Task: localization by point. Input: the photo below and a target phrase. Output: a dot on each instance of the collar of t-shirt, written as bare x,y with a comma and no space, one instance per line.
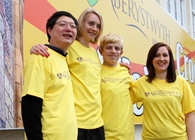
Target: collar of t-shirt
58,50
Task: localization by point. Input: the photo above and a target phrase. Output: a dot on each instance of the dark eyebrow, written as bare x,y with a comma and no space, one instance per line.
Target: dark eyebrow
65,22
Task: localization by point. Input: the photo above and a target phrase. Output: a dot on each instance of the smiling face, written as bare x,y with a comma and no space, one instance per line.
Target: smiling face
91,27
111,52
63,33
161,60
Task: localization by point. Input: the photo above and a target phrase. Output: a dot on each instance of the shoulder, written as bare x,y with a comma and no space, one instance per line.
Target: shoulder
141,80
178,77
119,66
181,79
33,59
75,44
40,60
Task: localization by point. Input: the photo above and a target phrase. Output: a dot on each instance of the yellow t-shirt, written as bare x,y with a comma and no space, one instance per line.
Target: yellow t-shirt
85,68
117,107
164,107
49,79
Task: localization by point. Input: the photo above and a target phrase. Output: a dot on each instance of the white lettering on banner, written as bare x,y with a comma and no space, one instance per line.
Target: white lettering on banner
189,66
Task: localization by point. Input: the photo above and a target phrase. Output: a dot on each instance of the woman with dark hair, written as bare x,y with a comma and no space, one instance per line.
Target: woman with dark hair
167,98
171,75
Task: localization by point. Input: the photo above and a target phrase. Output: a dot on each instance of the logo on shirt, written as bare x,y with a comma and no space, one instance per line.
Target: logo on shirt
88,60
79,59
163,93
64,74
113,80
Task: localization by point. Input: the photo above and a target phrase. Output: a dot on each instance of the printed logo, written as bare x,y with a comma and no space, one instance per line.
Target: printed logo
64,74
147,93
163,93
80,59
114,80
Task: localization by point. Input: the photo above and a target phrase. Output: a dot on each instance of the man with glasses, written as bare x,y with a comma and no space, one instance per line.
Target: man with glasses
47,100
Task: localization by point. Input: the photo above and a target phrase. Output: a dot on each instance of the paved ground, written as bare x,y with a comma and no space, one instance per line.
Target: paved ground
18,134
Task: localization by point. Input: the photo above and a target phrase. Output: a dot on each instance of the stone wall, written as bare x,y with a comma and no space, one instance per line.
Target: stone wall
11,62
18,51
6,65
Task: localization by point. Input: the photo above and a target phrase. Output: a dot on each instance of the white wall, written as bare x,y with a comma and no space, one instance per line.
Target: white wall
138,131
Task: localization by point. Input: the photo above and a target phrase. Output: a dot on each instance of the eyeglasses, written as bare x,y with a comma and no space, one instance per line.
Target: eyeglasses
65,24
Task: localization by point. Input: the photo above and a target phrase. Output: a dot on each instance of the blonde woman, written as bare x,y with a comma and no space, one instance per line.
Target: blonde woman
85,67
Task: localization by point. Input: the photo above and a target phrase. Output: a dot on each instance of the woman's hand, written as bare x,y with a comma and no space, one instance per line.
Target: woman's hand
39,49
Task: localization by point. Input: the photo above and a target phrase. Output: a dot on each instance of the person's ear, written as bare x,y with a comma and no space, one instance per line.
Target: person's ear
100,50
49,30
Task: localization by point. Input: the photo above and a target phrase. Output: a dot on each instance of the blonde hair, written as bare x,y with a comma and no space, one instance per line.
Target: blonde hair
111,38
81,21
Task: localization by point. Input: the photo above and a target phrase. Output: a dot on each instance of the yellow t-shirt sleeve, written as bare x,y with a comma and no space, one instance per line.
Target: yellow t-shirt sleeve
35,77
188,101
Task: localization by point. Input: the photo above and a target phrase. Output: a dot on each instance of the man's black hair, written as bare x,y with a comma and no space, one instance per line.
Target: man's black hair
52,20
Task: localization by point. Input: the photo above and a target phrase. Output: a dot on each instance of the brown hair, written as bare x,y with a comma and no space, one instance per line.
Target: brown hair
171,74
